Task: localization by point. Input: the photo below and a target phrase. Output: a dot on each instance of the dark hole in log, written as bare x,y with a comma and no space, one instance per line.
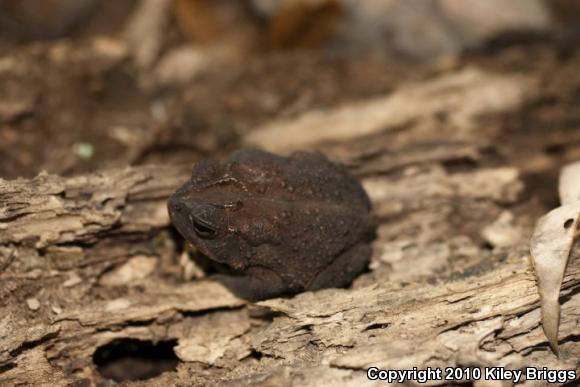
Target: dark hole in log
555,149
256,355
377,326
132,359
459,164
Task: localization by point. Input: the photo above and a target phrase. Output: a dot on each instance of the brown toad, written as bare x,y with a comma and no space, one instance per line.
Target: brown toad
279,225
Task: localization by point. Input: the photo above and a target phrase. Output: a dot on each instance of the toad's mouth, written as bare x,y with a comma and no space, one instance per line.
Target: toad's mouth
198,243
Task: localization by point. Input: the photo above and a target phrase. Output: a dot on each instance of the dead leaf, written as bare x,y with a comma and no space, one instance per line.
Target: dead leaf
551,244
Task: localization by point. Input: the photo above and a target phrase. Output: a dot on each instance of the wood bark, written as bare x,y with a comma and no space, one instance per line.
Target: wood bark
90,259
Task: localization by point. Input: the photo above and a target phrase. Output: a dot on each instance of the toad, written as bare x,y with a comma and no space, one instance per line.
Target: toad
277,225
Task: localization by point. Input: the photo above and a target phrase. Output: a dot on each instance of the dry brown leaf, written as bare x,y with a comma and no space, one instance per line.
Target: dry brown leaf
306,24
197,21
144,31
551,244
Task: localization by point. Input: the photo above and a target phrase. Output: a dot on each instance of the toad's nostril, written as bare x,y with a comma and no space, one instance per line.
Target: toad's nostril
177,205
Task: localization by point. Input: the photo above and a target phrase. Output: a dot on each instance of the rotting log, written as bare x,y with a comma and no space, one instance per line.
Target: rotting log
87,260
91,259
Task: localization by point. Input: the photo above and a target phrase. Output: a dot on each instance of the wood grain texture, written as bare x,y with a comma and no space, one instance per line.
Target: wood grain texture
89,259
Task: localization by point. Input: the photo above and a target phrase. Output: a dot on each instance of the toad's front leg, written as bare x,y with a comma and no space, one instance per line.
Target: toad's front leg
256,283
342,271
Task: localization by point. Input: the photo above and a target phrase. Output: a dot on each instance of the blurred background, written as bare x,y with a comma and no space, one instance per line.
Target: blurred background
89,84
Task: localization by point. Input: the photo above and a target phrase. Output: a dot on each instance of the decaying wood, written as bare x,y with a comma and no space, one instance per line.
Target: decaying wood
89,259
458,99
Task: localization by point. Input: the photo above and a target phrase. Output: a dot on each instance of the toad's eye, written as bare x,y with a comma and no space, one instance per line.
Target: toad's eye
203,230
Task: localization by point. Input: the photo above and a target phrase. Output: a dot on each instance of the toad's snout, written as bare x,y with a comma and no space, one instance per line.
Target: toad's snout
180,212
177,205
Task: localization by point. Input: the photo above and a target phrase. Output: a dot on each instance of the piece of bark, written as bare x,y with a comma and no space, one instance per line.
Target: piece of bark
459,97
